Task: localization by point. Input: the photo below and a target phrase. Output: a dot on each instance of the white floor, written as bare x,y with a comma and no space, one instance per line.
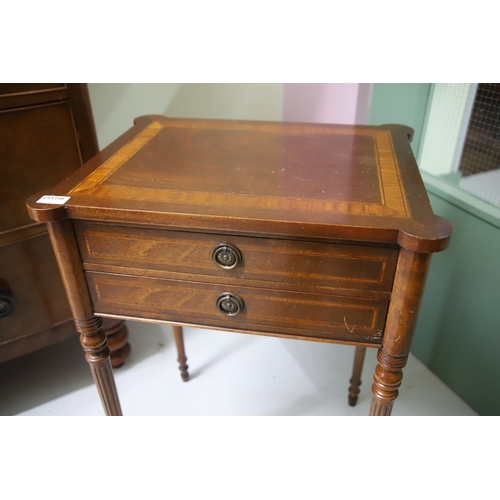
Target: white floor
231,374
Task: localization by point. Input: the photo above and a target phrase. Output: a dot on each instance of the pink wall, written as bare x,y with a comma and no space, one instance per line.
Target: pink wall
326,102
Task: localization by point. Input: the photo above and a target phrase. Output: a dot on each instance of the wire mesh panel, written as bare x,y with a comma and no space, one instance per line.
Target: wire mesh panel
446,125
482,144
462,138
480,161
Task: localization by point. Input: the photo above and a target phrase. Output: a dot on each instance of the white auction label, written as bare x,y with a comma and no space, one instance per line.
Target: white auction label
53,200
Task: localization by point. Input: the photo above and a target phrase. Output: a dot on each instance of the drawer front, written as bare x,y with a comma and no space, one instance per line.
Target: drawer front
304,315
39,147
27,88
13,95
265,262
28,269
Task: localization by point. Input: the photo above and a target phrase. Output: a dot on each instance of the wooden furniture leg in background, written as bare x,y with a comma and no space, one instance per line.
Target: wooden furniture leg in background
179,342
92,336
117,334
409,283
359,358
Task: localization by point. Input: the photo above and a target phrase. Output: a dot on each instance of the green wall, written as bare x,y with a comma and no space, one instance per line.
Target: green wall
115,105
458,330
404,103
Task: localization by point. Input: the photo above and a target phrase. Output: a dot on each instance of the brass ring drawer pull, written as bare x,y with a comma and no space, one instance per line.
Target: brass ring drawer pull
226,256
7,302
229,304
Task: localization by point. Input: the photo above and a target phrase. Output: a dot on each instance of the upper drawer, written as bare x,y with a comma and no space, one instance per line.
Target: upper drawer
264,261
14,95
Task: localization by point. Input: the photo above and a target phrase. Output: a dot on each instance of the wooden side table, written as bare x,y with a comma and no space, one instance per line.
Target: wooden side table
313,232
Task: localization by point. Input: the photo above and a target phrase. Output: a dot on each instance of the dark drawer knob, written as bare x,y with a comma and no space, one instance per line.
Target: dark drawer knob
7,302
226,256
229,304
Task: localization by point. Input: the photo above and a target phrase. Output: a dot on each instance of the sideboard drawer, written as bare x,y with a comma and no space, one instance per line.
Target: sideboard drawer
17,95
39,298
183,255
272,311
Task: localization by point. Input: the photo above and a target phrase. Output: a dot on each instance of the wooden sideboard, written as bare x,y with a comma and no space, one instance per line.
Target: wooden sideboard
311,232
46,133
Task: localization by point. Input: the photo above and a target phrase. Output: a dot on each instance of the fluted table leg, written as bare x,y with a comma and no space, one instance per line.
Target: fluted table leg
92,336
409,283
97,354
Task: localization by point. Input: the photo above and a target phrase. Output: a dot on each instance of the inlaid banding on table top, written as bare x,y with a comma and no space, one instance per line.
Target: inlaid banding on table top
390,183
170,299
279,260
119,158
100,184
198,202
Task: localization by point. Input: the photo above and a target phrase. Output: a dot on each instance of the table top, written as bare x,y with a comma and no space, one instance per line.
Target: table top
333,182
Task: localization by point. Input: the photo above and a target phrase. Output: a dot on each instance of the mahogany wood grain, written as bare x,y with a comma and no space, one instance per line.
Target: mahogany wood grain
355,189
330,224
315,316
324,266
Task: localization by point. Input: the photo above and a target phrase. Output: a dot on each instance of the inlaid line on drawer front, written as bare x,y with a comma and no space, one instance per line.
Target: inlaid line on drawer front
306,314
307,263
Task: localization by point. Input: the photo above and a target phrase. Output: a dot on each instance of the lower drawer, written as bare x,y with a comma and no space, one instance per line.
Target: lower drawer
28,269
307,315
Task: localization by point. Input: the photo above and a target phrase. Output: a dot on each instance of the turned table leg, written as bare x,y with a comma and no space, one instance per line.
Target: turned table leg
92,336
97,354
386,381
409,283
179,342
355,381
